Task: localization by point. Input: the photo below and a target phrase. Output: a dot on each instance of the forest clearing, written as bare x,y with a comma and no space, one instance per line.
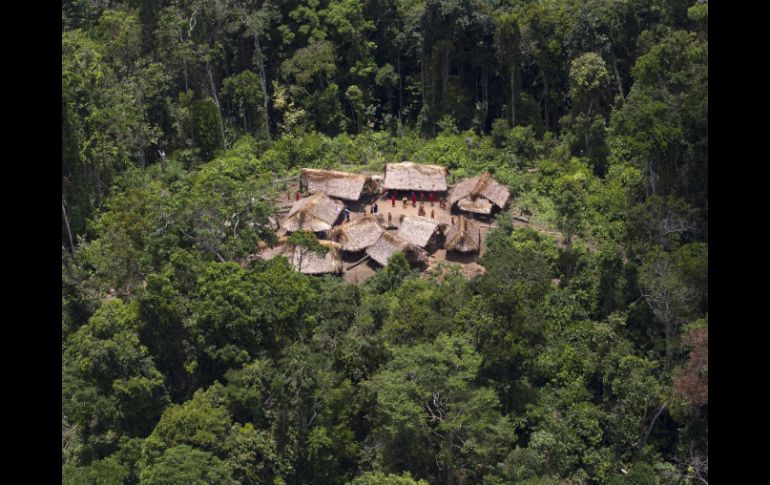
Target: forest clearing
393,213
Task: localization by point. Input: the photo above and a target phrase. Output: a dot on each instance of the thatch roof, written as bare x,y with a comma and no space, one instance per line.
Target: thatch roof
417,230
312,263
358,234
464,236
387,244
341,185
415,176
478,206
315,213
477,194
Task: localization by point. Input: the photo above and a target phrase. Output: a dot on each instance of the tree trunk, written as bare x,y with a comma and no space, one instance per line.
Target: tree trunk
652,424
162,161
422,76
400,85
445,70
263,78
216,101
67,225
618,78
545,98
461,60
651,180
670,329
513,99
186,82
485,92
586,129
448,464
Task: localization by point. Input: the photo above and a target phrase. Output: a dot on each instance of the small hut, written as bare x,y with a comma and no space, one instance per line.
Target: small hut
419,231
388,244
358,234
340,185
316,213
415,176
464,237
479,194
306,261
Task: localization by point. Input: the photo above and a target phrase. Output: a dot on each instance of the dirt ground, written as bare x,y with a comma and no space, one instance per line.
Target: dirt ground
439,262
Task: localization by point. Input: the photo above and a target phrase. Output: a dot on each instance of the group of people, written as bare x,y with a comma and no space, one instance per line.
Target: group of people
431,198
421,211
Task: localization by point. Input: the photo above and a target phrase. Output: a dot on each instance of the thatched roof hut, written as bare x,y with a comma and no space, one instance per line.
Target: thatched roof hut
464,236
311,262
417,230
387,244
341,185
357,235
477,194
415,176
315,213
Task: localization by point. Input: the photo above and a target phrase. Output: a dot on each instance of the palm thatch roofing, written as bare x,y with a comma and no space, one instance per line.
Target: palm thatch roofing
341,185
415,176
477,194
417,230
478,206
311,262
315,213
358,234
464,236
388,244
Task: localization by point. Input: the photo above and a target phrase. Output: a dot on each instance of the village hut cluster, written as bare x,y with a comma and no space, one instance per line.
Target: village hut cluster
335,209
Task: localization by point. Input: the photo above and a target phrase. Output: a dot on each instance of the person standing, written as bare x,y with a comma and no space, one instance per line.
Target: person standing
297,195
430,196
347,215
390,217
393,200
414,200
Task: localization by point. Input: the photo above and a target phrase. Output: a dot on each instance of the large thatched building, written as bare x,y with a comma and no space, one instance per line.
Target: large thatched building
316,213
306,261
358,234
388,244
464,236
479,194
340,185
419,231
415,176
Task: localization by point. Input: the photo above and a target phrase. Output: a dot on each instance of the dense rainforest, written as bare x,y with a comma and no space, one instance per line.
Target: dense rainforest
579,356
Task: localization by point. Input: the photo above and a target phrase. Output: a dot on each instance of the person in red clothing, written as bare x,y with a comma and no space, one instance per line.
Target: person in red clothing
430,196
414,200
296,197
393,200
